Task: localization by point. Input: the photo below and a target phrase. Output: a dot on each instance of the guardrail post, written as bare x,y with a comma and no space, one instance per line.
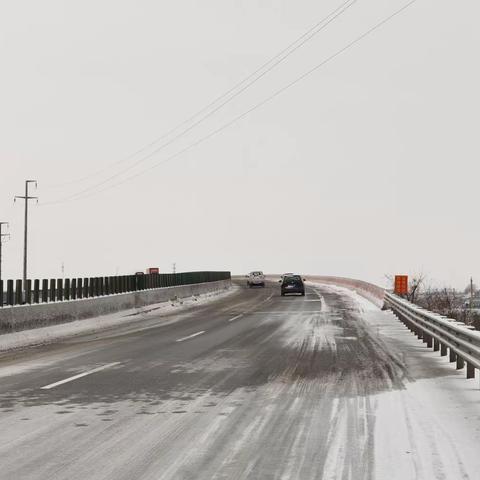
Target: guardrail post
53,291
79,288
91,287
470,370
443,350
44,290
453,356
460,362
28,292
60,293
18,292
10,294
73,289
66,291
36,291
1,294
436,345
96,287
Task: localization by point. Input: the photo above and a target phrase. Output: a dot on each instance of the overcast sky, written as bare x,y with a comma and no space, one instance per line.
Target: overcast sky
367,167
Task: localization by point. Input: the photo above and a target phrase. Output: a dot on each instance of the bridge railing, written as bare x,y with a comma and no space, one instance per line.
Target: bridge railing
456,339
58,290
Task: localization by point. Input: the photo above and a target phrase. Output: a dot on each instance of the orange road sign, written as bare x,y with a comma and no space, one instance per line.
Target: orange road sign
401,284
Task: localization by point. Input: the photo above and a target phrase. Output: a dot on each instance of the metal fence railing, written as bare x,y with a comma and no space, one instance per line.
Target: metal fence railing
56,290
446,335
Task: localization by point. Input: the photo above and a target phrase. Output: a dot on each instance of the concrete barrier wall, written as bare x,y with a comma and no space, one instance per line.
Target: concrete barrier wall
22,317
368,290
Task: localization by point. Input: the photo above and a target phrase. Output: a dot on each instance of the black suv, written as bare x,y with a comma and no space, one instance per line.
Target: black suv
293,284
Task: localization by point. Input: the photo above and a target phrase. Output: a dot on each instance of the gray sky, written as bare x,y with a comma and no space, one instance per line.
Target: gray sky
369,166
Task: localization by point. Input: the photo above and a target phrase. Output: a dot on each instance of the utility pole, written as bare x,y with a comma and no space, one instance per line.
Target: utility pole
471,297
174,268
2,236
25,239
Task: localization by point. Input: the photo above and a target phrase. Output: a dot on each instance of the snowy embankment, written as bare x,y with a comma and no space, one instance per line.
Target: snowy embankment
132,317
431,428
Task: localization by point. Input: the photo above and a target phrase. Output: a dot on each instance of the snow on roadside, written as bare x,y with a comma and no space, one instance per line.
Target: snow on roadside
431,428
437,414
363,303
426,432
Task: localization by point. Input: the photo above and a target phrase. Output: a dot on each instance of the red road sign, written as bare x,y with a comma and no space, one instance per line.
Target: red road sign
401,284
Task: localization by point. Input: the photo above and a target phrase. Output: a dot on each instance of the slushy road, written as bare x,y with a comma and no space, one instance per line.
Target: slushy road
251,386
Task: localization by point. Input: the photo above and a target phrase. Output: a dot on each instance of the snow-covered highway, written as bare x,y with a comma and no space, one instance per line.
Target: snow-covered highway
249,386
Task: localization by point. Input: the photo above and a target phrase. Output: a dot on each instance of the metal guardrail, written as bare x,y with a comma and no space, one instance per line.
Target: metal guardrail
462,341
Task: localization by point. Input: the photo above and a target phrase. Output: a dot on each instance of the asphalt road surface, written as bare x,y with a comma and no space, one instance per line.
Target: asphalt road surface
252,386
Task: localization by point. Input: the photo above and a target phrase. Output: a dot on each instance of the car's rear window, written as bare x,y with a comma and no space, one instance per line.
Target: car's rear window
293,279
256,274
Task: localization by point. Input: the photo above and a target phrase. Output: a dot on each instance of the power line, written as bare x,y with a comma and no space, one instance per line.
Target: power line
255,107
229,95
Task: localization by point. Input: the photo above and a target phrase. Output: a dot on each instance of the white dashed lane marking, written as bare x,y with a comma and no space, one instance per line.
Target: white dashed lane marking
191,336
80,375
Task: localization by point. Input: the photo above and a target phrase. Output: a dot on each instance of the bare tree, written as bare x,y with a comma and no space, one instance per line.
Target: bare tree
415,287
